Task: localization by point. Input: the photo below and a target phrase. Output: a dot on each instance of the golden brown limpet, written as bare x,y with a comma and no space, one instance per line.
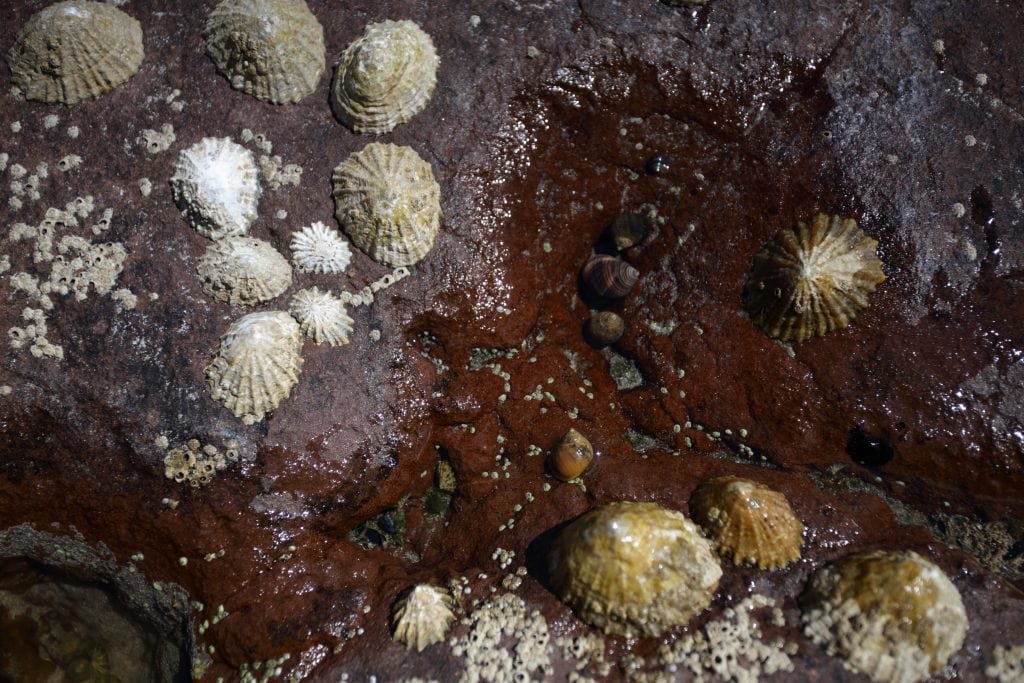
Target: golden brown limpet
572,456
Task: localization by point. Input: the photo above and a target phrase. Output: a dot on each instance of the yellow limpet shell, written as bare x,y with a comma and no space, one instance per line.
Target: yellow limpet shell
634,569
812,279
270,49
386,199
258,364
892,615
244,270
74,51
748,522
422,615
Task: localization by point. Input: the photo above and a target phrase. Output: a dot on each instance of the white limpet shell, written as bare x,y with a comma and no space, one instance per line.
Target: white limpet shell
270,49
388,202
74,51
257,365
422,616
244,270
321,316
216,186
320,249
385,77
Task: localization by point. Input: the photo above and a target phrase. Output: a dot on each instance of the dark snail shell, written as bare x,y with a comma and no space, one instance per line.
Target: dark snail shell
609,277
605,328
629,229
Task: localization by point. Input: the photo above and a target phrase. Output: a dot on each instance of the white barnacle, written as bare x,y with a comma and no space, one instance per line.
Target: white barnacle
322,316
320,249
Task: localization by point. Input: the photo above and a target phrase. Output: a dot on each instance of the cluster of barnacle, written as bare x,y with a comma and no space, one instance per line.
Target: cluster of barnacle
610,277
196,463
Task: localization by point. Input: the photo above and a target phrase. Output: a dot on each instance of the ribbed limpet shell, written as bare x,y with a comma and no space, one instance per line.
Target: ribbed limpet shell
634,569
748,522
75,51
892,615
244,270
385,77
422,615
216,186
257,365
322,316
388,202
812,279
270,49
320,249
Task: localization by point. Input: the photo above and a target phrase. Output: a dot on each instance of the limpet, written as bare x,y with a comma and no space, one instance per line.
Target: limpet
812,279
422,615
572,456
892,615
244,270
322,316
634,569
385,77
257,365
74,51
270,49
388,202
216,186
610,277
320,249
748,521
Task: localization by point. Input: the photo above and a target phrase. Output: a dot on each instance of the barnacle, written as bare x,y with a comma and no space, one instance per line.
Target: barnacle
385,77
386,198
322,316
257,365
748,521
75,51
270,49
319,249
634,569
812,279
892,615
422,616
216,186
243,270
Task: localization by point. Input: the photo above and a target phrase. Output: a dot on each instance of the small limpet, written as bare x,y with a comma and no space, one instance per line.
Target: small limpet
320,249
257,365
812,279
74,51
385,77
388,202
322,316
270,49
244,270
422,615
634,569
216,186
572,456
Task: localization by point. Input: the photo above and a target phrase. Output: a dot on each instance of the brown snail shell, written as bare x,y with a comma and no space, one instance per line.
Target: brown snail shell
629,230
609,276
605,328
572,456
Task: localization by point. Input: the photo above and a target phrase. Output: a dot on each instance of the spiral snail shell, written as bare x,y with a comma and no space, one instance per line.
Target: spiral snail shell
609,276
605,328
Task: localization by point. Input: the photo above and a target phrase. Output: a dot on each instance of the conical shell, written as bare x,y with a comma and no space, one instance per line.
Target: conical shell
257,365
216,186
319,249
422,616
748,521
322,316
892,615
812,279
385,77
609,276
634,569
270,49
244,270
572,456
74,51
386,198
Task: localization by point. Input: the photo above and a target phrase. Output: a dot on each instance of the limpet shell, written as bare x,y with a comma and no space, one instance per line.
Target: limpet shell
320,249
812,279
388,202
216,186
270,49
748,521
257,365
322,316
572,456
422,615
385,77
892,615
605,328
634,569
75,51
244,270
610,277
